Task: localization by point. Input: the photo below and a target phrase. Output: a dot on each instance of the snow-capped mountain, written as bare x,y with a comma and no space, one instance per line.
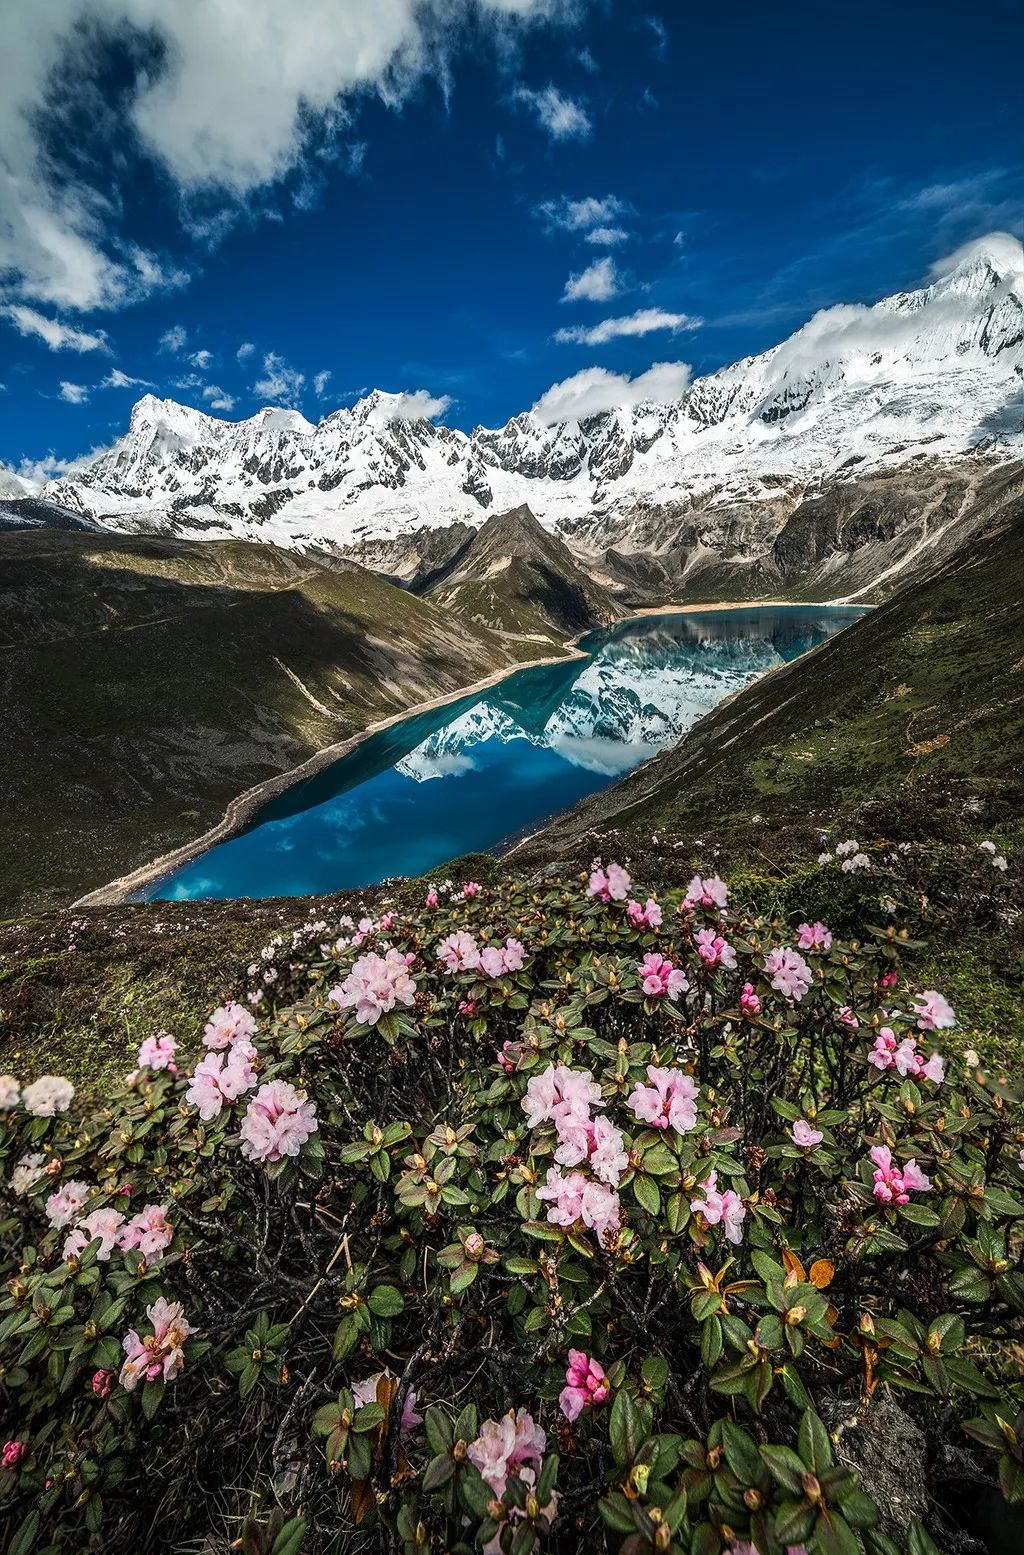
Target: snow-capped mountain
937,372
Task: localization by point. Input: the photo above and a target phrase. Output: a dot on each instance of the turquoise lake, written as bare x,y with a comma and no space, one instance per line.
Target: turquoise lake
483,770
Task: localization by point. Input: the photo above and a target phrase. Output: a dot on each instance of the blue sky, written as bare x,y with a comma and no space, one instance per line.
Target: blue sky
344,189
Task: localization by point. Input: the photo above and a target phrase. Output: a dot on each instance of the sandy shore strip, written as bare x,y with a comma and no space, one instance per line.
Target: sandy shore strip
244,807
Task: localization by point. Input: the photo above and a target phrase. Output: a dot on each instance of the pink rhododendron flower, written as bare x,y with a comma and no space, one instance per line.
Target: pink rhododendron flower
102,1382
365,1392
161,1353
904,1057
49,1094
104,1226
471,889
726,1209
713,949
660,979
158,1052
277,1122
848,1018
459,952
499,960
12,1455
709,891
804,1135
503,1059
888,980
934,1013
228,1025
467,1006
669,1100
575,1197
558,1092
789,972
814,936
609,885
894,1183
375,985
150,1231
10,1092
67,1204
585,1385
750,1003
505,1444
431,899
597,1141
647,917
221,1077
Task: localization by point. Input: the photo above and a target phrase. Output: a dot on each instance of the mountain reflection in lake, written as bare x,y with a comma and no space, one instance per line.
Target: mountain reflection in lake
480,771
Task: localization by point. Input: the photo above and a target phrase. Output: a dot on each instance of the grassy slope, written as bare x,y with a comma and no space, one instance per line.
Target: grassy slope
145,683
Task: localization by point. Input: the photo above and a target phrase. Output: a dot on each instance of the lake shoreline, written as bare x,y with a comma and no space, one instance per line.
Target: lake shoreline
244,806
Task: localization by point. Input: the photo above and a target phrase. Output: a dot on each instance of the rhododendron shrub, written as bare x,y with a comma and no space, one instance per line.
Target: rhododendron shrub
536,1219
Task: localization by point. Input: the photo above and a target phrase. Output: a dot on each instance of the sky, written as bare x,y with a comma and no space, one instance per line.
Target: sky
468,202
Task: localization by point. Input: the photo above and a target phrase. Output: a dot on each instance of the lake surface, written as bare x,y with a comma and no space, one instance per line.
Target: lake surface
483,770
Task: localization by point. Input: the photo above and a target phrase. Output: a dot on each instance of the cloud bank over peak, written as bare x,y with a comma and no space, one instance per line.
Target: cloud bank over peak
596,389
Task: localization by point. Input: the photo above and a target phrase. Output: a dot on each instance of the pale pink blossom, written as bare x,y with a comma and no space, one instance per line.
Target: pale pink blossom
575,1197
646,917
221,1077
505,1444
597,1142
659,979
158,1052
10,1092
585,1385
934,1013
27,1173
104,1226
814,936
669,1100
904,1057
788,972
500,960
459,952
804,1135
894,1183
277,1122
161,1354
149,1231
848,1018
228,1024
67,1203
49,1094
431,899
706,891
558,1092
726,1209
609,885
471,889
750,1003
713,949
365,1392
375,985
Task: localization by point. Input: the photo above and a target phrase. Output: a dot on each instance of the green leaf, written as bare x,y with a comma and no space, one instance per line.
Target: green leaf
785,1467
289,1540
439,1429
385,1301
919,1541
438,1471
741,1454
647,1194
624,1429
813,1443
25,1538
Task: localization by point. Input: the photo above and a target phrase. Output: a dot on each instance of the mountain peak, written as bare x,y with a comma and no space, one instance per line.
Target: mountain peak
1000,252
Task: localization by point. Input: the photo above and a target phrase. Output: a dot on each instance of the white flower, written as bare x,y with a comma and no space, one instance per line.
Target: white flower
999,862
49,1094
824,858
843,848
10,1092
31,1169
987,847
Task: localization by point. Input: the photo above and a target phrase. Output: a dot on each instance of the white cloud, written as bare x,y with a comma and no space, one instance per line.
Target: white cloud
244,351
596,283
174,339
201,360
416,405
58,336
607,236
642,322
219,398
116,379
223,109
1004,251
74,393
280,382
595,390
562,117
320,381
580,215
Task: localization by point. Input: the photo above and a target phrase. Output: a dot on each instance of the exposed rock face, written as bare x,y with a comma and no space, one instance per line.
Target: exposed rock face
779,468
